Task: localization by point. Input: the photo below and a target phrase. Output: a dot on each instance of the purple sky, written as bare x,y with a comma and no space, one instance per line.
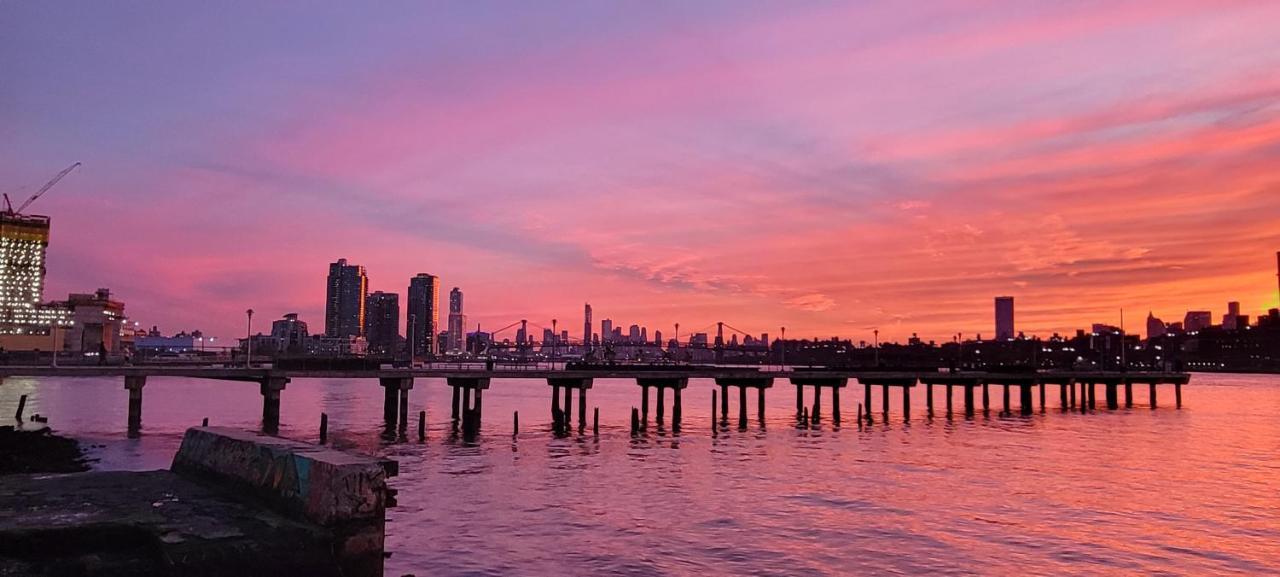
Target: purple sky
829,167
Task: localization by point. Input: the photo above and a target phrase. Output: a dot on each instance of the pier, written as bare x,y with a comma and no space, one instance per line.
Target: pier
468,386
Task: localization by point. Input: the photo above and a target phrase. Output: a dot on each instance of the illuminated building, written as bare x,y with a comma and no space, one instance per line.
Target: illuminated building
23,240
457,320
422,315
344,311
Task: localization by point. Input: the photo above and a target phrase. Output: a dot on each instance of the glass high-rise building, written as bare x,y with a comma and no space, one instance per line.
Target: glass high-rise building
23,240
344,309
457,322
422,315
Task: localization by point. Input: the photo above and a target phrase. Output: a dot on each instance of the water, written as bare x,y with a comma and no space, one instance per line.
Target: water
1136,491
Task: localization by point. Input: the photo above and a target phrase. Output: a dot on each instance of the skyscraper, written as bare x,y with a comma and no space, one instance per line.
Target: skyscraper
382,322
606,330
457,322
23,239
1197,320
586,327
1155,326
422,315
344,304
1229,320
1004,318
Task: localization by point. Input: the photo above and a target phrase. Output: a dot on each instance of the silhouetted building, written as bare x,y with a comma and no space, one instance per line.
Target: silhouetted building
1004,318
1155,326
422,315
1230,321
344,306
586,327
457,320
1197,321
606,330
290,335
382,322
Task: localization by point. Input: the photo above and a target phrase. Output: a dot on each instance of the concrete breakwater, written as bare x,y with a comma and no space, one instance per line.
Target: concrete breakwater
233,502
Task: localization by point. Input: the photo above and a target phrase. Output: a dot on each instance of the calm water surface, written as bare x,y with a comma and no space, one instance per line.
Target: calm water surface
1194,491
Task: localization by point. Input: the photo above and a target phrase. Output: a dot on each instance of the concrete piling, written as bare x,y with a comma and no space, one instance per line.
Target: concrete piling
714,426
1128,394
948,399
928,398
986,399
422,425
595,422
324,428
1177,395
661,403
1024,401
906,402
835,405
582,409
816,415
134,385
760,402
456,407
1152,391
742,407
644,404
884,401
1006,399
724,407
635,421
968,400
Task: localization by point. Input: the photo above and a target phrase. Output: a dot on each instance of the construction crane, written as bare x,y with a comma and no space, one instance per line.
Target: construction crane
9,206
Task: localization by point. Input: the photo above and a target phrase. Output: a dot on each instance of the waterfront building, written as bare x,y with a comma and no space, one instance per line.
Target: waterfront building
290,335
344,310
1197,321
586,327
23,240
1230,321
382,322
457,320
97,322
1155,327
422,315
1004,318
606,330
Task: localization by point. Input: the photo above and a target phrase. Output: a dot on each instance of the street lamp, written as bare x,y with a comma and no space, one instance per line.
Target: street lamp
876,342
248,341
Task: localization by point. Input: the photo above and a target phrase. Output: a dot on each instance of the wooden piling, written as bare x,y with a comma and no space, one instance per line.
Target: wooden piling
760,402
1152,390
1062,395
986,399
515,423
949,399
205,422
1042,403
714,426
1128,393
1072,386
906,402
804,418
1006,399
324,428
866,394
644,404
928,398
1177,395
661,403
724,408
595,421
835,405
422,425
884,400
22,406
968,400
817,404
1024,400
635,421
742,407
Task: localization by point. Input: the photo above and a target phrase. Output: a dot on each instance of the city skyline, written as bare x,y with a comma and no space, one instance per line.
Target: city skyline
1065,155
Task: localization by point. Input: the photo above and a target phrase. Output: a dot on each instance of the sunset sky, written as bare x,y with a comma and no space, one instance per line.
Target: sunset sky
834,168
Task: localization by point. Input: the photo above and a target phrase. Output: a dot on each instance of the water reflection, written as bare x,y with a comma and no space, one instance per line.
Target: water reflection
1133,490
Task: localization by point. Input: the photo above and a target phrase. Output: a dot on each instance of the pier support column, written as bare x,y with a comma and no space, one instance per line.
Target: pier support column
568,409
866,387
948,399
1062,395
455,410
799,400
1177,395
835,405
742,406
1093,395
968,400
1128,394
644,406
582,409
1042,403
677,410
906,403
1006,399
986,399
884,400
555,404
471,413
1113,397
270,388
390,403
760,400
1151,387
817,404
134,385
1072,386
724,406
1024,400
928,397
661,403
